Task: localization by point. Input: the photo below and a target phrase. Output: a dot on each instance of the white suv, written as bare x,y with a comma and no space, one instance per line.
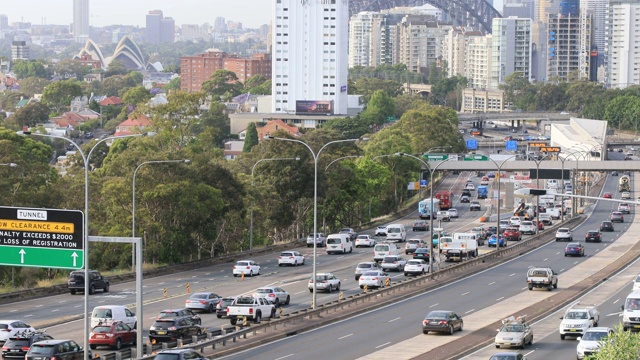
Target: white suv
578,319
527,227
564,234
515,221
591,340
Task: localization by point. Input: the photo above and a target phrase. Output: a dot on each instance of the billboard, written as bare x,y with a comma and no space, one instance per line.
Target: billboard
314,107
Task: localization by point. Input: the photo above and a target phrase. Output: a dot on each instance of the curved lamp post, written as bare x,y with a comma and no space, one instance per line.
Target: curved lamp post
342,158
431,212
538,186
133,202
498,176
582,155
85,259
251,212
315,198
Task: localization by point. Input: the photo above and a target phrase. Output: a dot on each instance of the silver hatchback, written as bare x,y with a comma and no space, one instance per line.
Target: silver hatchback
366,266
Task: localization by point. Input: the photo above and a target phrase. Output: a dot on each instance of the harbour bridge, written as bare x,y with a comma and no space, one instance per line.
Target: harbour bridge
477,14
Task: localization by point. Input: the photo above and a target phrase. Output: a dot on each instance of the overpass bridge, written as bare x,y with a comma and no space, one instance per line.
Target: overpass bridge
517,119
519,165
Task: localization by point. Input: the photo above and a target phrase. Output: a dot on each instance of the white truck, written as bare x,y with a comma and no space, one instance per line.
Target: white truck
462,246
253,309
554,212
542,277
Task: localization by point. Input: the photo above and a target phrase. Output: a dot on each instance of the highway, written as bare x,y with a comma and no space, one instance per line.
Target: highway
219,279
370,334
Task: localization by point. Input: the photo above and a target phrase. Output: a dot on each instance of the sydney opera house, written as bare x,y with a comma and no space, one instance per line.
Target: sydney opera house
127,52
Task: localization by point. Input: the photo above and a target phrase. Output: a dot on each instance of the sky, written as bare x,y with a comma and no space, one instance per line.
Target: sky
251,13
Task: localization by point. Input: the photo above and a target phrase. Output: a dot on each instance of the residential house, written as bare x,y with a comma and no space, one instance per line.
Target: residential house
89,78
232,149
133,125
270,127
79,103
111,100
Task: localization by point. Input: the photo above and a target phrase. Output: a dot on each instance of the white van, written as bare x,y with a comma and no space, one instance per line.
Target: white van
107,314
384,249
396,232
631,311
339,244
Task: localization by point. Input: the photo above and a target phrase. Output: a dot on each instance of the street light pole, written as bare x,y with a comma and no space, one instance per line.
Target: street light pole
251,211
315,200
537,212
498,205
133,203
85,260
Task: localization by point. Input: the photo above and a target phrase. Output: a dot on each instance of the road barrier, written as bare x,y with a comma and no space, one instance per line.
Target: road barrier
164,293
188,288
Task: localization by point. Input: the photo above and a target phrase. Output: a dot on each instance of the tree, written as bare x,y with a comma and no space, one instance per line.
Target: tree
622,345
251,139
174,84
29,68
378,109
222,84
366,88
59,94
582,93
31,114
518,91
116,67
33,85
69,68
136,96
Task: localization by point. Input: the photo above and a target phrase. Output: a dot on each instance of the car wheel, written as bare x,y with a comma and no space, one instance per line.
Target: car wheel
562,336
302,262
210,309
106,288
330,290
555,286
461,325
277,302
295,263
118,344
250,273
451,330
338,288
233,321
258,318
286,302
530,287
73,292
92,290
219,316
93,347
497,346
405,274
523,344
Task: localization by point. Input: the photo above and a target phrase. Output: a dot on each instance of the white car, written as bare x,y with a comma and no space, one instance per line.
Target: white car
577,320
365,240
381,231
246,267
625,195
470,186
273,294
515,221
325,282
564,234
376,278
321,240
290,258
636,283
412,245
527,227
624,208
416,267
590,341
453,212
9,328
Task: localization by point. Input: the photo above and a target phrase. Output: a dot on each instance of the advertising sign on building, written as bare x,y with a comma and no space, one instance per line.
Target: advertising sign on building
314,107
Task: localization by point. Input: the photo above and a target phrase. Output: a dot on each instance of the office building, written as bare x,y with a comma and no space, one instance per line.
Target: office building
511,49
81,20
569,47
159,30
521,10
622,35
196,69
19,50
4,22
310,56
454,49
570,7
544,8
220,24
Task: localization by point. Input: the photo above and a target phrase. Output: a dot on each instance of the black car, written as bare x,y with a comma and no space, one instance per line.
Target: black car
442,321
421,254
606,226
614,173
55,349
420,225
96,281
179,354
164,330
183,312
18,345
221,307
593,235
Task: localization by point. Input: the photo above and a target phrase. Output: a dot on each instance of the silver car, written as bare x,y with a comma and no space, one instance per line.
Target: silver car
325,282
273,294
366,266
321,240
205,301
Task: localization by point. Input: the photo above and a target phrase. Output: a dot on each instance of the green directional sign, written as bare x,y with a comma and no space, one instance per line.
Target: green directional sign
475,157
436,157
41,257
41,237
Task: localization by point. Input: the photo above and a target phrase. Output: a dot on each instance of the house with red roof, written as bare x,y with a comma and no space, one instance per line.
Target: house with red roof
271,127
111,100
133,125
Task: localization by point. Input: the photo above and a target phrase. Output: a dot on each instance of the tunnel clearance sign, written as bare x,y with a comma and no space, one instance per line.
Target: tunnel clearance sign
41,238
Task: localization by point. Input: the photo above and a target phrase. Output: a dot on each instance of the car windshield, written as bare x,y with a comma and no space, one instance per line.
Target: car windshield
286,254
227,301
438,315
577,315
413,241
381,247
42,349
102,313
495,357
593,233
414,262
637,278
513,328
101,329
244,301
390,259
167,357
364,266
594,335
422,251
393,230
264,291
371,273
242,263
199,296
363,237
563,230
321,277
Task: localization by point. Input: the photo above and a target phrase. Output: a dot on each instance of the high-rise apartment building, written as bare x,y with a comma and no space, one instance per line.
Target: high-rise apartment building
196,69
622,57
569,47
478,62
81,20
310,56
419,42
544,8
20,50
159,29
511,49
521,10
220,24
361,41
454,49
598,10
4,22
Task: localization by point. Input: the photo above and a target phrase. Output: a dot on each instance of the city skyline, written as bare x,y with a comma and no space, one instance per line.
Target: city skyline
104,13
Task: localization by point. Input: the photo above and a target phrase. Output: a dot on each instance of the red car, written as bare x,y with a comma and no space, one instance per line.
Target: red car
512,234
540,224
607,195
113,335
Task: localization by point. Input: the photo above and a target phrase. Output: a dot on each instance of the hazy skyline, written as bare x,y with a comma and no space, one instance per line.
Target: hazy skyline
251,13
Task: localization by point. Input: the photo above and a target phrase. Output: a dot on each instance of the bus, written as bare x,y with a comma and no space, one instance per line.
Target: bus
425,210
445,199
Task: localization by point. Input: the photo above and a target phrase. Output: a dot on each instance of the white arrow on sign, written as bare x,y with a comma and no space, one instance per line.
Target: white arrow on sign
22,252
74,256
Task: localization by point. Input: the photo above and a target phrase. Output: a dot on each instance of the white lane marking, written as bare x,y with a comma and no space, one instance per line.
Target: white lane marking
162,283
472,310
434,305
179,279
385,344
529,353
284,357
39,305
616,301
545,259
392,320
524,288
28,315
491,283
54,310
513,274
500,298
467,293
619,313
575,262
561,270
558,253
299,292
14,310
344,337
222,270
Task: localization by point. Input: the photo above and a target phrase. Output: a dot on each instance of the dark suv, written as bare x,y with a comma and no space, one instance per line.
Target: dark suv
56,349
164,330
18,345
606,226
96,281
221,307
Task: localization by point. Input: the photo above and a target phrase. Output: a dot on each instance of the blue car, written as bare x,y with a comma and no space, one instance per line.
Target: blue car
492,241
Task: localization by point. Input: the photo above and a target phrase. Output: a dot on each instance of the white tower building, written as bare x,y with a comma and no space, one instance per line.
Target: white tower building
622,63
81,20
310,56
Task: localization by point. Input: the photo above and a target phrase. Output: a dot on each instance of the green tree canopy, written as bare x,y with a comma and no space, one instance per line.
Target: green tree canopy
58,94
31,114
29,68
222,84
116,67
379,108
69,68
33,85
251,138
136,96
